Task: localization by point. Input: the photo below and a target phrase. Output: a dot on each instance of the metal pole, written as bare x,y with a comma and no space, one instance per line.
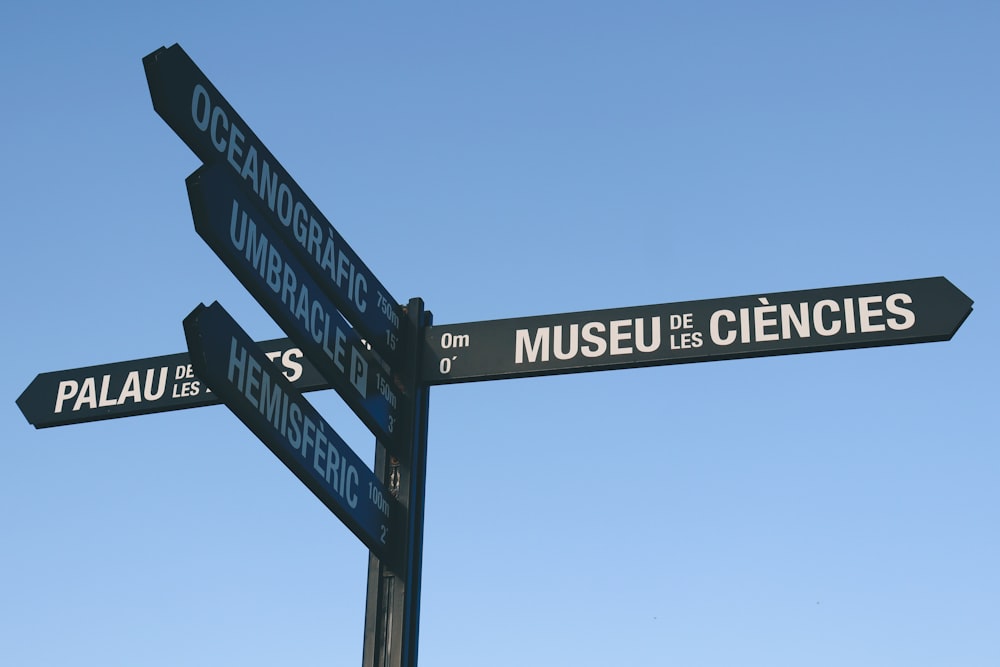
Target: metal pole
392,613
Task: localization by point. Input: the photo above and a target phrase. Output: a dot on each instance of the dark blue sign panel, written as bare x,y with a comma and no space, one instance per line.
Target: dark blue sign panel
199,114
228,219
833,318
142,386
239,372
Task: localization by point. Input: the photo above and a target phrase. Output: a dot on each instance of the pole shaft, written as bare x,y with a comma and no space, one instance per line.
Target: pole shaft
392,612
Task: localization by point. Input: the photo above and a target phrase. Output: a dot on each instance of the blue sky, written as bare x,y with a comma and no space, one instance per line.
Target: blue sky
504,160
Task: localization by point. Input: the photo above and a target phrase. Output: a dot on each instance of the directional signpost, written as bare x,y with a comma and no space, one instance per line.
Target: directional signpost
820,320
348,333
264,400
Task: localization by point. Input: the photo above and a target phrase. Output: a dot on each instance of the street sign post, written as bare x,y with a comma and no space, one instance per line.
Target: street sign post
835,318
252,227
236,369
352,335
230,223
192,106
142,386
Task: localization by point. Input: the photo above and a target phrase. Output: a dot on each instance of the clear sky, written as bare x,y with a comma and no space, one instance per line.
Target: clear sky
501,160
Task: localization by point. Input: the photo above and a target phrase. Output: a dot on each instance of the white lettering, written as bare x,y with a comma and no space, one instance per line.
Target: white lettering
821,328
868,313
536,351
713,327
598,346
906,318
557,342
618,336
640,339
761,321
67,389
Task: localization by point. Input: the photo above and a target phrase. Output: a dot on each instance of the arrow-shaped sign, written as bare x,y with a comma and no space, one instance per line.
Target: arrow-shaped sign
194,108
229,221
236,369
834,318
142,386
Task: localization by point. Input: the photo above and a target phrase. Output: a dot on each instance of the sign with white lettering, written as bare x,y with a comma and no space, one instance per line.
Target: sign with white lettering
142,386
228,219
236,369
835,318
184,97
